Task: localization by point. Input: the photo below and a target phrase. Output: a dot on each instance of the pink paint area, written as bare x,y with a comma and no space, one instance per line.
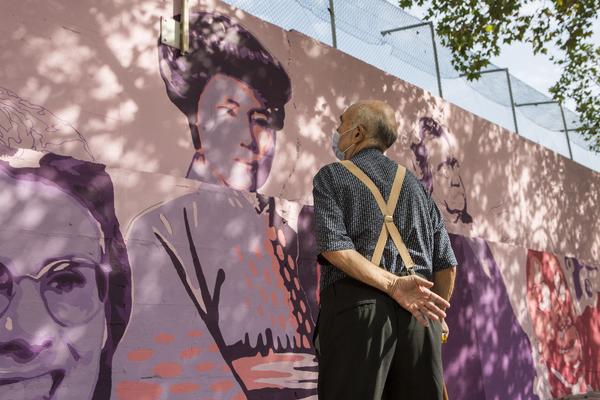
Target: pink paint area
276,370
168,369
204,367
164,338
222,386
140,355
135,390
183,388
190,352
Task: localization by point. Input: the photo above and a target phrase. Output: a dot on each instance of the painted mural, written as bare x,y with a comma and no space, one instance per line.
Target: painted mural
160,246
65,280
439,171
568,343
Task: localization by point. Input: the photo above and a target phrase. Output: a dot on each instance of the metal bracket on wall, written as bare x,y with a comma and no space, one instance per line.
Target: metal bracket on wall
177,33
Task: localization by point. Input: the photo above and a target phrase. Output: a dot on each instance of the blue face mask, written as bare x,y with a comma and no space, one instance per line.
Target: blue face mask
335,141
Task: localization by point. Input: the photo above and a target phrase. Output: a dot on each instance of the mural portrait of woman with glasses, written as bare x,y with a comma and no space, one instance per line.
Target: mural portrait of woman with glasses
65,293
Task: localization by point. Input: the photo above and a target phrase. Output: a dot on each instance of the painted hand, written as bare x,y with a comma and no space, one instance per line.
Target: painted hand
413,294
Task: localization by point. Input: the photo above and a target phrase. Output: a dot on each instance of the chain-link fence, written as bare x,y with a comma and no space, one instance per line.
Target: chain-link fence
394,41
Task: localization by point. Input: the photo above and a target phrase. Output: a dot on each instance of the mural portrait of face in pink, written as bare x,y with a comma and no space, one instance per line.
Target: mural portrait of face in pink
232,92
65,295
555,325
438,168
228,248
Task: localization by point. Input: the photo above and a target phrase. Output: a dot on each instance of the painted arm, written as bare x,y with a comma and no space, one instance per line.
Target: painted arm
411,292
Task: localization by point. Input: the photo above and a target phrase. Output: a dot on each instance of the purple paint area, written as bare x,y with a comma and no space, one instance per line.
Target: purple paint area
488,356
585,278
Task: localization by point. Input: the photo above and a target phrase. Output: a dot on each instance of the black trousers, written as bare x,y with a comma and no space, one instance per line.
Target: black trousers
369,347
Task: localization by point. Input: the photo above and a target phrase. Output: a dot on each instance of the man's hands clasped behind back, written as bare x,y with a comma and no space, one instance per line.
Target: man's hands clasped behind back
413,294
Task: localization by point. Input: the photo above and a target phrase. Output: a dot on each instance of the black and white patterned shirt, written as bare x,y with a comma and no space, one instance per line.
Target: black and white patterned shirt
347,217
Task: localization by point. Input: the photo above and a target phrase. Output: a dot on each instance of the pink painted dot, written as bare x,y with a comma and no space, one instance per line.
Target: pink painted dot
307,326
275,266
204,367
302,306
190,353
164,338
133,390
222,386
282,321
238,252
180,388
281,237
267,277
280,252
168,369
305,342
140,355
252,267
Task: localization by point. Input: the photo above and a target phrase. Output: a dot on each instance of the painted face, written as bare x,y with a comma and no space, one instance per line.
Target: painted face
238,141
551,310
448,187
52,321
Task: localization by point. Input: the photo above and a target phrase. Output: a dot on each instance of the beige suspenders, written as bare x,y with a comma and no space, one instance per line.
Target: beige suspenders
387,209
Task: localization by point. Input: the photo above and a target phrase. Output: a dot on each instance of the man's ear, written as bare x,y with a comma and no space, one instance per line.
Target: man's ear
361,132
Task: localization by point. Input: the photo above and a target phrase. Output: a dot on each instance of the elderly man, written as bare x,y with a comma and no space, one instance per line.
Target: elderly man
382,301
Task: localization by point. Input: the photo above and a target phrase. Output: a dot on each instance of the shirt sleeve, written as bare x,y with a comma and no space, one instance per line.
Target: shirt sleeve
330,229
443,255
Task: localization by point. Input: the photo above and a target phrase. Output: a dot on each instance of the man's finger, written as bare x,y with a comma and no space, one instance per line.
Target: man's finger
439,301
438,312
431,315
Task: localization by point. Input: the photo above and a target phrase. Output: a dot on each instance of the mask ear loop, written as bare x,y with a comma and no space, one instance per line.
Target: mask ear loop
353,144
348,148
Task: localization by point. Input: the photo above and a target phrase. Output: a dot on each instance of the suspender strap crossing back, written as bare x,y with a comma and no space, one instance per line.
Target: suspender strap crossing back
388,229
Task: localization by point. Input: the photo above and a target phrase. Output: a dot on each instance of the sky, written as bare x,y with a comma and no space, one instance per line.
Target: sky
535,70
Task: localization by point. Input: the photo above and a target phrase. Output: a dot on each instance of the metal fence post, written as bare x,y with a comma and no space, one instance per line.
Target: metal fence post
435,58
332,16
512,101
562,114
435,55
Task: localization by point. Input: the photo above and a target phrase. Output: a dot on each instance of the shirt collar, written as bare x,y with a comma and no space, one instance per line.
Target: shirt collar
366,153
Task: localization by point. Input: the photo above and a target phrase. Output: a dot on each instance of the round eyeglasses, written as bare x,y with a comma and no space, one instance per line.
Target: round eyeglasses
72,289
